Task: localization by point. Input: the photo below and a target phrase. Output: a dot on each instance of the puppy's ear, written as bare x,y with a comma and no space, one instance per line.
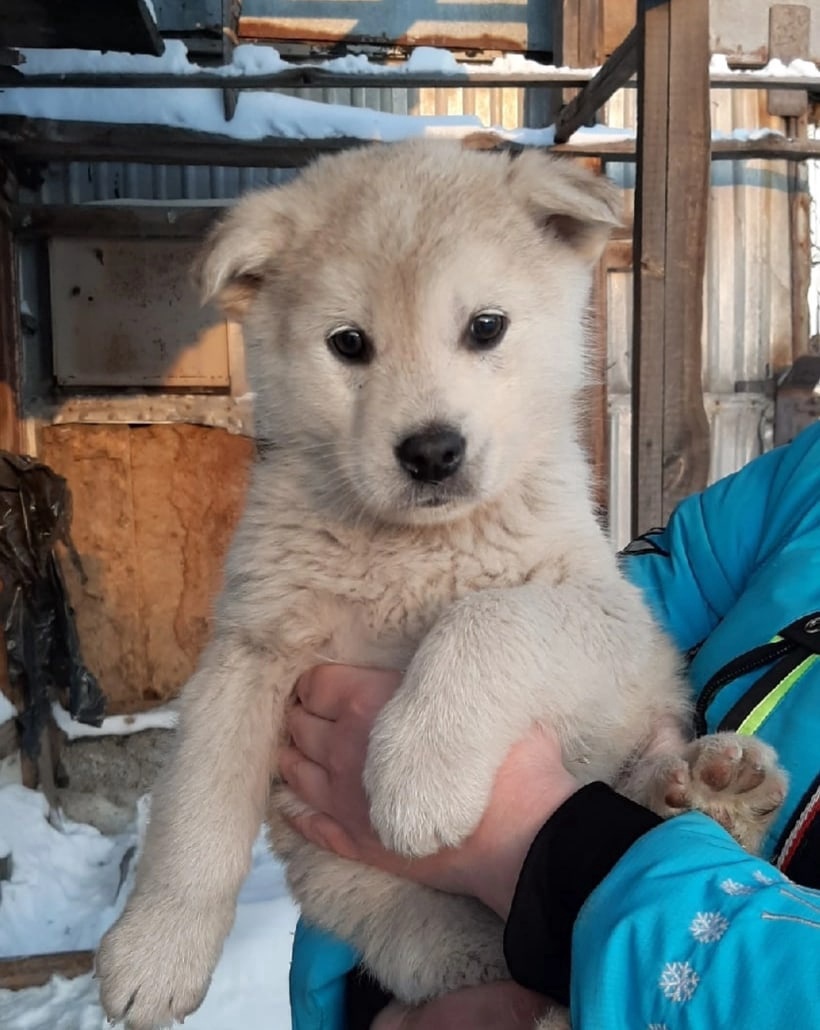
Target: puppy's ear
570,202
241,250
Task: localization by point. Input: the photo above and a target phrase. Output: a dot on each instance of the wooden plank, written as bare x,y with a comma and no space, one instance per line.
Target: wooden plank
511,27
620,67
800,253
11,347
670,452
16,974
125,25
142,221
618,18
31,140
789,27
96,462
567,40
154,510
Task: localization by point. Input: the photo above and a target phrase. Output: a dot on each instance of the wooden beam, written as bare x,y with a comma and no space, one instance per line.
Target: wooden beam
230,28
312,77
91,25
618,69
35,970
616,72
670,433
296,77
141,221
11,417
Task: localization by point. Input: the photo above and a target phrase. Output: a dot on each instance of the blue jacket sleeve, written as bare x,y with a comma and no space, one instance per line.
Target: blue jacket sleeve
693,571
318,970
705,934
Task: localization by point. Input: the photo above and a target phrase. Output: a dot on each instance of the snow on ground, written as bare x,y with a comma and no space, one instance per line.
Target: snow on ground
162,718
64,893
7,709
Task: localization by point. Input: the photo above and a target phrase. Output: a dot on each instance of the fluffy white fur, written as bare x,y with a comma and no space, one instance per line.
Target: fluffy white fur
497,591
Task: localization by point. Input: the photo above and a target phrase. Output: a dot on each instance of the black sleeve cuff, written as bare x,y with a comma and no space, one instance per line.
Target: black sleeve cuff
572,853
364,999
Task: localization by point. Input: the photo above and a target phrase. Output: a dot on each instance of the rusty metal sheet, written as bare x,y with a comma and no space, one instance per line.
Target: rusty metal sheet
508,25
740,30
125,313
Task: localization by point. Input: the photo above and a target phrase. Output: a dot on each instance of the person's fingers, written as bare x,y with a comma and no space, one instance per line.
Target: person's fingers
306,779
311,734
327,691
325,833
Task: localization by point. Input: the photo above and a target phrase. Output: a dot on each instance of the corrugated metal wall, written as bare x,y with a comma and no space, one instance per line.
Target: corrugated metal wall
79,183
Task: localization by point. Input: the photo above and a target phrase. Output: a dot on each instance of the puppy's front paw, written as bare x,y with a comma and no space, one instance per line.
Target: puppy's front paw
732,778
155,964
419,804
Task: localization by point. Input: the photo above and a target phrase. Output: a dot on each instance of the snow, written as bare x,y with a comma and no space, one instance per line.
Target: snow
164,718
7,709
261,115
63,895
256,59
775,69
257,114
173,60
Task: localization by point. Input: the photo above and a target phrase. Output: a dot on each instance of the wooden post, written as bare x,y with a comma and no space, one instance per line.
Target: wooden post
230,27
11,425
789,27
670,432
789,34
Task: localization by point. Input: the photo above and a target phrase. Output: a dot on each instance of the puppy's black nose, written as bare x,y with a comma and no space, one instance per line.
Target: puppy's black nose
433,455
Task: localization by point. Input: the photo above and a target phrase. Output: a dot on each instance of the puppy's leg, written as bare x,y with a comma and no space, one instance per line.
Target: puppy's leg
494,664
155,964
732,778
417,942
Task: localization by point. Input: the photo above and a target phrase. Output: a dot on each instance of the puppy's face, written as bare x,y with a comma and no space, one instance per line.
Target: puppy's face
413,320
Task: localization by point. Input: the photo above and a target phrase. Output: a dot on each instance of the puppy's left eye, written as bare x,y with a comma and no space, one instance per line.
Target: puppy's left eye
487,328
351,345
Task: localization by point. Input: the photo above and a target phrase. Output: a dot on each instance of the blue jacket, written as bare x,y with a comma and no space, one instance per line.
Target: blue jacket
703,934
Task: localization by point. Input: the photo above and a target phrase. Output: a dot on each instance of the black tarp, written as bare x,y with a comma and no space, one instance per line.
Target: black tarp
42,647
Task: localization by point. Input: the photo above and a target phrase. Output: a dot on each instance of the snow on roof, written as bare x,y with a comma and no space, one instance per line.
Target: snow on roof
257,59
262,115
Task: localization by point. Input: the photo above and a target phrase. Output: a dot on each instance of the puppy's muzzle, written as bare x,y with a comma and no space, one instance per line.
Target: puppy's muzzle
432,455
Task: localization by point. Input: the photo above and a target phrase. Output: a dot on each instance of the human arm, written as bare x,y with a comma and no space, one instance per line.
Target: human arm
595,846
692,571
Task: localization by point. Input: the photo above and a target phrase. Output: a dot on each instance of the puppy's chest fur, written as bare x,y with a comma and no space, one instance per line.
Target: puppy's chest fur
368,596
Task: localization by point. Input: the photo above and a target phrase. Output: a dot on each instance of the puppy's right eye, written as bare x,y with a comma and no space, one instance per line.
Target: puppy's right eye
350,344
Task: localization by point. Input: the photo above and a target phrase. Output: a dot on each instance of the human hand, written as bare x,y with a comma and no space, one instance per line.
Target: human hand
330,726
496,1006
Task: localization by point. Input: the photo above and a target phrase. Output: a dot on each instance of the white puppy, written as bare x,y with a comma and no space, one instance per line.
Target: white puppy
413,316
